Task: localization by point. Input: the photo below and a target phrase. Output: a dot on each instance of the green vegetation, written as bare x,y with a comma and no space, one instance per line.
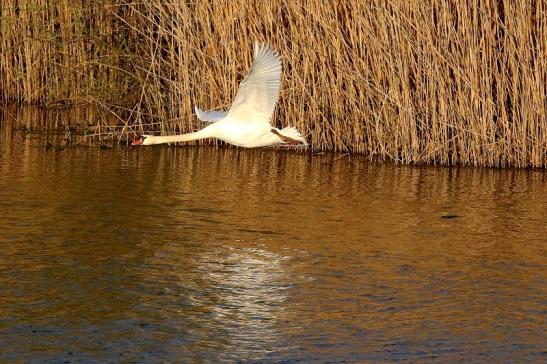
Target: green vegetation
437,81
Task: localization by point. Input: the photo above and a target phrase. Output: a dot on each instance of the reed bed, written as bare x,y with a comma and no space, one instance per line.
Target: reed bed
61,53
438,81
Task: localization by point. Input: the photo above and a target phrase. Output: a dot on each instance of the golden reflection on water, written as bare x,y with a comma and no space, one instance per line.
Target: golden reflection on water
231,254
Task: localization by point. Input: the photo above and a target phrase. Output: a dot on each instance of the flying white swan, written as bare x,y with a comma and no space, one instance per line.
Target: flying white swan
247,123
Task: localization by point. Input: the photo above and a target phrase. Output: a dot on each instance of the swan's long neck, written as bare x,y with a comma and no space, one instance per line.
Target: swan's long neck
201,134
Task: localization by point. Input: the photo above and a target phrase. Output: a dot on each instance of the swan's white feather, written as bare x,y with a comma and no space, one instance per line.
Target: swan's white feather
210,115
258,92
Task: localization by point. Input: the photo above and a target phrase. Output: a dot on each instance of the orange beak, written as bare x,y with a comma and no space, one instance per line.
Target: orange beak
138,141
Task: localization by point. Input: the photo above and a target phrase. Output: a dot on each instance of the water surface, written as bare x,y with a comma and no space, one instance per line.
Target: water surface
222,255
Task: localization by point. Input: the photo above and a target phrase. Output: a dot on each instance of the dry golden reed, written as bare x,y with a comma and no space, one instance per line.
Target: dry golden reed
443,82
62,52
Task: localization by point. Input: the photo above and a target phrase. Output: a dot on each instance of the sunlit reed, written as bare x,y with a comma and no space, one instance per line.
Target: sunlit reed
441,82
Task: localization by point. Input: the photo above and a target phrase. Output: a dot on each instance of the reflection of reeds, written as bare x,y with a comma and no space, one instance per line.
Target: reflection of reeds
436,81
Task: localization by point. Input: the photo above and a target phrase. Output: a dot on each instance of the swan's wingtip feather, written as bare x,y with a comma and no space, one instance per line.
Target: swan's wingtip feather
257,48
263,49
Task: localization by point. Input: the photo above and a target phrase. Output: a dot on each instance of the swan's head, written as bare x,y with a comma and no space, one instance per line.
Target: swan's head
143,140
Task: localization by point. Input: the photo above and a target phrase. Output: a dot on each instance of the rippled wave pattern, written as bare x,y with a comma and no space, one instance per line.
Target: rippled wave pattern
227,255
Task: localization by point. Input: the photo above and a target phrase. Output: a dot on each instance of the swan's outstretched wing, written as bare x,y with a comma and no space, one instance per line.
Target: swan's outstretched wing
258,92
211,115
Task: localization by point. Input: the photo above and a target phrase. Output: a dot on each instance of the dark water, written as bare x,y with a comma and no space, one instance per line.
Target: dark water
191,254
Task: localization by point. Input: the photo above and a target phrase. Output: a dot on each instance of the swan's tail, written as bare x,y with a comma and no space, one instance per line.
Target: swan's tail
292,133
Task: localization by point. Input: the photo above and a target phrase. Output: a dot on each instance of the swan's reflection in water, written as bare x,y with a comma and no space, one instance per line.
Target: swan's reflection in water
226,300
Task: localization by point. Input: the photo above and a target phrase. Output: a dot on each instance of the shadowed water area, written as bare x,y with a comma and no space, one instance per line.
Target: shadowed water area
226,255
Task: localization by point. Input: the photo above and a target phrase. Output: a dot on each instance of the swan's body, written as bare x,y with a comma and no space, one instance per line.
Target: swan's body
247,122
